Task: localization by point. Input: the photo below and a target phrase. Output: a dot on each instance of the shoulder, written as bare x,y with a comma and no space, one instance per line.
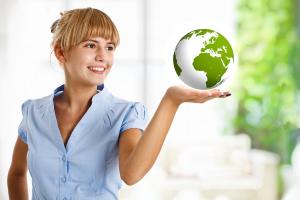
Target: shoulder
36,104
123,104
122,109
131,114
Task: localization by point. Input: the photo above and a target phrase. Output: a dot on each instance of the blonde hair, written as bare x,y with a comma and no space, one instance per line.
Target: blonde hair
78,25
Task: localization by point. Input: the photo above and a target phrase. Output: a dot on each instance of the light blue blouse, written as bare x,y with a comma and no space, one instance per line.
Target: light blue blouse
88,167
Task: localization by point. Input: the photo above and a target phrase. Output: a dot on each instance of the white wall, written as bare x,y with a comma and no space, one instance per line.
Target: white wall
26,70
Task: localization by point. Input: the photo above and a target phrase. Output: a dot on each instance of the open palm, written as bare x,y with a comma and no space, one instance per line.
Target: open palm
181,94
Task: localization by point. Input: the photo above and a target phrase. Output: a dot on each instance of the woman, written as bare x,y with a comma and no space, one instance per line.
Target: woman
80,142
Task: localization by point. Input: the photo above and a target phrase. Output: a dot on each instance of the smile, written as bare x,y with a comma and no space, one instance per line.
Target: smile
98,70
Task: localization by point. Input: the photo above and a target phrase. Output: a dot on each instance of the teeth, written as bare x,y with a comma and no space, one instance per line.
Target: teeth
98,69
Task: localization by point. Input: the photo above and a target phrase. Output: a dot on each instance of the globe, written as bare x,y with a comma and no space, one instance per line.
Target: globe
203,59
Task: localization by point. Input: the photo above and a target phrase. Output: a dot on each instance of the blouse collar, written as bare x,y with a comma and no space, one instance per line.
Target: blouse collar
101,91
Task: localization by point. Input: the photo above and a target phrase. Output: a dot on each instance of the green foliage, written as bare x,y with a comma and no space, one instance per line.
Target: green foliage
268,75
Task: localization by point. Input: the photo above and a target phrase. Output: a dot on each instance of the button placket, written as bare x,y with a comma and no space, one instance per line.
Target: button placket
65,163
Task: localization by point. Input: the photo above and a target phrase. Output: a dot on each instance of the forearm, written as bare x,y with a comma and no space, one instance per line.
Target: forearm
145,152
17,187
144,155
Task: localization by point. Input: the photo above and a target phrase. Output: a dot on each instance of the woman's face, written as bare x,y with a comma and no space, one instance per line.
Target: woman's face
90,61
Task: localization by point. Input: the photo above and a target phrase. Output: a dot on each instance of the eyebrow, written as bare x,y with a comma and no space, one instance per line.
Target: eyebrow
98,41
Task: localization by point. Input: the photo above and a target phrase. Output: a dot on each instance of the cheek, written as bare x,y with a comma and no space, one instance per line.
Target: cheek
81,60
111,60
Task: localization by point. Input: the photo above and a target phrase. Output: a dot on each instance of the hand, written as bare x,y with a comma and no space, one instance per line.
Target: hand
181,94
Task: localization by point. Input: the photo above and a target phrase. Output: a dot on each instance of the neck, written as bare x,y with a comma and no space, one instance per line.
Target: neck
78,96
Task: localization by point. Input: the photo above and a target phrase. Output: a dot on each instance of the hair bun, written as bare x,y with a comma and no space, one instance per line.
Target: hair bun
54,25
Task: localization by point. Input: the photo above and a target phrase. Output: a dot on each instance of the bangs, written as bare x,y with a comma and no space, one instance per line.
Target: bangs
102,28
89,23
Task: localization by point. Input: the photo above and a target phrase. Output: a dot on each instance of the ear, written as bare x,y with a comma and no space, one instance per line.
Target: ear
59,54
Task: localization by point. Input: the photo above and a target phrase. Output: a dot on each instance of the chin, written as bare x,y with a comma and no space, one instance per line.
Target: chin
99,82
95,81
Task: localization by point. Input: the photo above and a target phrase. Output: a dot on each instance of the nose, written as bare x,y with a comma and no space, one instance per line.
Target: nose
100,54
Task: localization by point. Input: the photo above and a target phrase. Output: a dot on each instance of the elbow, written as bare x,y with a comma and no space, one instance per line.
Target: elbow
16,173
130,179
129,182
14,176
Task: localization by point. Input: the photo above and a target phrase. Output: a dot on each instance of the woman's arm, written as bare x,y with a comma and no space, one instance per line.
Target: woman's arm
17,179
138,153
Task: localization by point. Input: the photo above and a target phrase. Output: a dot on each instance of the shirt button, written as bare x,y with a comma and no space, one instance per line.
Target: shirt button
63,179
64,158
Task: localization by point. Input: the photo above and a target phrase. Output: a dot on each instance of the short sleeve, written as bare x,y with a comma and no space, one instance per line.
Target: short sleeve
23,130
136,117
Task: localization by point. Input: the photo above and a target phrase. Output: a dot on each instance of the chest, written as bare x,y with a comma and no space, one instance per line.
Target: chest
67,122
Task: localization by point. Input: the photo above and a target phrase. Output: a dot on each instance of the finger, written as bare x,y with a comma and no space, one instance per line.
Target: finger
211,94
225,94
207,99
216,93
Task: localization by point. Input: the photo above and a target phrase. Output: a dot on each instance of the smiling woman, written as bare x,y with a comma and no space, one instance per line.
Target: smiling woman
88,37
81,142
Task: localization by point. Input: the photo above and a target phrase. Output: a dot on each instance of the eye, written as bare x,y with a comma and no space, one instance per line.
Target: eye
110,48
90,45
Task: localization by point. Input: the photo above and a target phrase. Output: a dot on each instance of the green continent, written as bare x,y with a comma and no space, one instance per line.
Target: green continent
213,67
177,68
221,46
196,32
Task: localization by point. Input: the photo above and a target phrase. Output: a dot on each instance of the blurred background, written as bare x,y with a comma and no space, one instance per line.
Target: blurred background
240,148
